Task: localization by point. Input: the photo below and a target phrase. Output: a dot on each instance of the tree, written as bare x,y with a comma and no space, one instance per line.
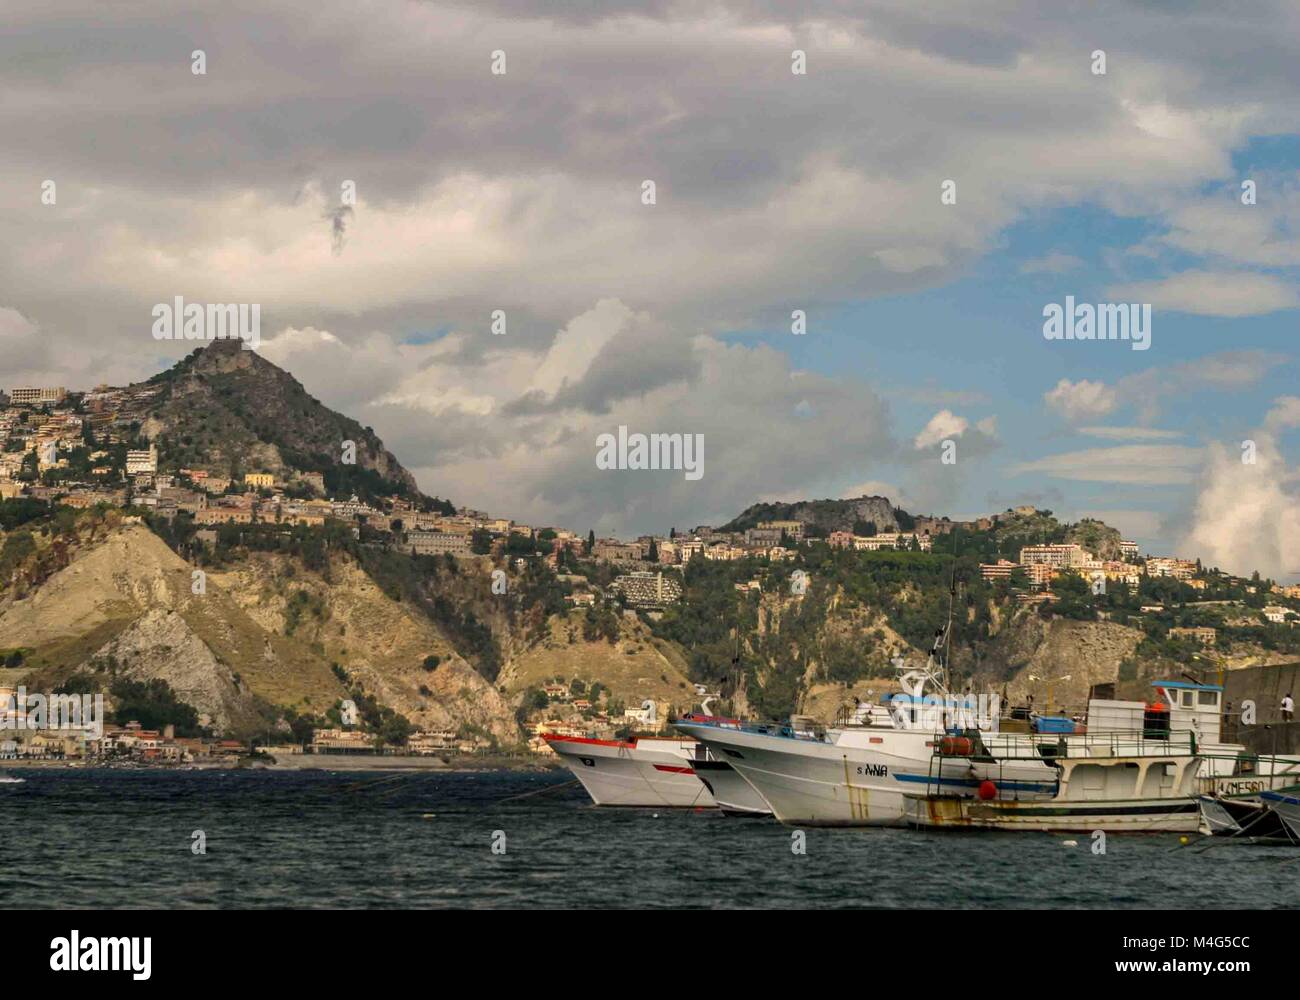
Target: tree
480,541
591,543
653,554
534,700
154,705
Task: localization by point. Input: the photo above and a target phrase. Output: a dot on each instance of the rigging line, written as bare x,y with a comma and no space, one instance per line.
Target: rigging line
368,783
1214,842
537,791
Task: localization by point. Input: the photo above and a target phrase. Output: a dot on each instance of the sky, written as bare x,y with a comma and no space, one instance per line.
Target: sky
442,211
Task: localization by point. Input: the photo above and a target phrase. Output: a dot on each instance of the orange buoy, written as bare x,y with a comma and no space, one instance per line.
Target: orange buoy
956,746
987,790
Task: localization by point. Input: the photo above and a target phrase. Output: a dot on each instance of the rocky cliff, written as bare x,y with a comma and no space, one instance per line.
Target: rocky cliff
826,515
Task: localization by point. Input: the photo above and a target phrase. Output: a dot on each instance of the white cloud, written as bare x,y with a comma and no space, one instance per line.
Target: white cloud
1247,516
1211,293
453,418
1151,465
1081,400
878,488
943,425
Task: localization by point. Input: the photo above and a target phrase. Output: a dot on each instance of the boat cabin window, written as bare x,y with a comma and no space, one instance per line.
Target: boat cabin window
1207,697
1187,699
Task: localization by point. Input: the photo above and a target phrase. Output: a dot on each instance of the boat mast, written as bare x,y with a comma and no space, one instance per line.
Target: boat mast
942,637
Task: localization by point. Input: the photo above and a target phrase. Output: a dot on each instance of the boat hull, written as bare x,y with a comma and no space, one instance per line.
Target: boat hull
644,773
1112,816
808,782
1247,817
735,796
1286,806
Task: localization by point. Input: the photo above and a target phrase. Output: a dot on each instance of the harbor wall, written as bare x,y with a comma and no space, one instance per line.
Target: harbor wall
1265,686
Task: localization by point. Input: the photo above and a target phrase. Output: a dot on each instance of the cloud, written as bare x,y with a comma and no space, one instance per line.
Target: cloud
456,419
1135,524
1150,465
1247,514
21,343
1284,415
943,425
1131,433
1221,228
878,488
1081,400
520,193
1145,391
1211,293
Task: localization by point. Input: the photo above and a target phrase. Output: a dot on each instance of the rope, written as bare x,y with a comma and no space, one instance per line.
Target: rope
537,791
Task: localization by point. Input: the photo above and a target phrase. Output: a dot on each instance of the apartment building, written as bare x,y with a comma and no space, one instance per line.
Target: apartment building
614,551
224,515
1069,556
37,396
649,591
1179,569
1040,575
145,461
435,543
1204,636
1000,570
792,528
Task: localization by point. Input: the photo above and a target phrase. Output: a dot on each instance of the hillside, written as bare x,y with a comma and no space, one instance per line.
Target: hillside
824,516
634,667
123,608
261,641
229,411
296,615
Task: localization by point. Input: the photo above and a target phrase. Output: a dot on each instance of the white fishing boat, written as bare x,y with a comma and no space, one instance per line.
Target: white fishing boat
645,771
1230,802
857,774
1286,806
1115,782
876,769
734,795
9,779
1245,816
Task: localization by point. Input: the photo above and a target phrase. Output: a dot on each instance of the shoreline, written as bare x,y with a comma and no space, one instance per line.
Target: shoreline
306,762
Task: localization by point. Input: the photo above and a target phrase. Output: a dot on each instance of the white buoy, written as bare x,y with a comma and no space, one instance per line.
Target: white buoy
1070,843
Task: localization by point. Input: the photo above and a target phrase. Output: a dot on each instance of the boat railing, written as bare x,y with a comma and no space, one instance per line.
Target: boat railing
799,730
1055,746
1246,783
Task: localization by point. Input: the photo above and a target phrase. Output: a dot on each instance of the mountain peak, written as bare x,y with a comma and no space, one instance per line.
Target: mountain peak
230,411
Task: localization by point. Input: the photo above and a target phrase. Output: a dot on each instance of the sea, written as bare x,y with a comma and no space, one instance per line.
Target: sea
76,837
